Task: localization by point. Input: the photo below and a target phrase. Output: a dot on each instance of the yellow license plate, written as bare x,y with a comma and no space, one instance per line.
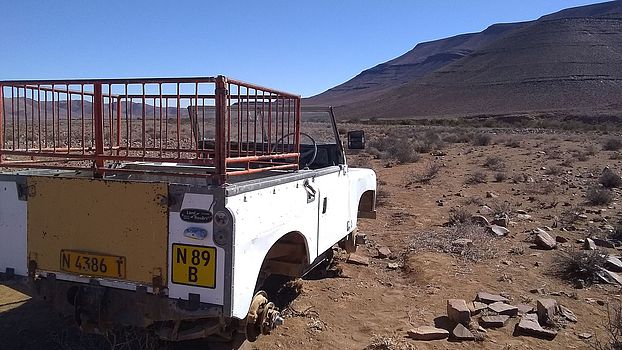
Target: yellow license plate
84,263
194,265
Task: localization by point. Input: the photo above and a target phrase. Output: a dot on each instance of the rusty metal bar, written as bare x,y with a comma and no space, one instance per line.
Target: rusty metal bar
221,114
2,121
99,123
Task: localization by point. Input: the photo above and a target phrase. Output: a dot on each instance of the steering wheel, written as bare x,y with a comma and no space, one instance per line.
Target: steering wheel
312,152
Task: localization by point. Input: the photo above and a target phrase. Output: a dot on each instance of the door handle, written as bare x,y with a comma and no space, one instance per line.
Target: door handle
310,191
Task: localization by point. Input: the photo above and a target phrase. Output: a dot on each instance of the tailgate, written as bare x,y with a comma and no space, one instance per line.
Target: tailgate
98,228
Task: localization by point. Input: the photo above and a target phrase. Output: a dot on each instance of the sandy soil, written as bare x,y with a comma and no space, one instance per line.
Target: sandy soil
371,304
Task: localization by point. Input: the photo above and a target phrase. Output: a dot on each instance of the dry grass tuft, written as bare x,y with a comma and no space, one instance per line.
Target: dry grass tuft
609,179
597,195
581,267
477,177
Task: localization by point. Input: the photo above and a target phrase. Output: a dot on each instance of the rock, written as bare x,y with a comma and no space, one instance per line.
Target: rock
529,325
589,244
567,313
560,239
458,311
501,220
358,259
540,291
523,216
612,276
524,309
494,321
504,309
603,243
462,242
499,230
480,220
491,195
486,210
460,332
383,252
476,307
585,335
546,309
521,211
360,239
614,264
488,298
545,241
428,333
393,266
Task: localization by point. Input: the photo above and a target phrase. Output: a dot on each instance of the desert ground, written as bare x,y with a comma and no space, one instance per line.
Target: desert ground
432,181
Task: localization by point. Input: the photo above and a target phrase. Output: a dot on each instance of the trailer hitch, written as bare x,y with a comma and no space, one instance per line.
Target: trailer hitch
263,317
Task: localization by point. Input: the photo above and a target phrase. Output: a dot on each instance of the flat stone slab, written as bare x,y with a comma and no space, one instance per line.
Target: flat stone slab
358,260
567,313
500,231
529,325
589,244
525,308
488,298
494,321
612,276
460,332
544,240
458,311
546,309
504,309
428,333
614,264
476,307
384,252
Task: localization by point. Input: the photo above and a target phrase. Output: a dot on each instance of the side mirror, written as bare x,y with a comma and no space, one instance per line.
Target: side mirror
356,139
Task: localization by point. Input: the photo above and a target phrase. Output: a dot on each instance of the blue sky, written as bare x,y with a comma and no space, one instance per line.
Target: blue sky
301,47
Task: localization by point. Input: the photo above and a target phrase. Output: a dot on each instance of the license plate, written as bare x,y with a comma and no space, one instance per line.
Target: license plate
194,265
84,263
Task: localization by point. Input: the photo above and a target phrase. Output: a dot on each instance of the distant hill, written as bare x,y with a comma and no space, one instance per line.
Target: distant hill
569,60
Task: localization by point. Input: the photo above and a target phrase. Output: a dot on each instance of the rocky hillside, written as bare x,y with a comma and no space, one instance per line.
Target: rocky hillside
570,60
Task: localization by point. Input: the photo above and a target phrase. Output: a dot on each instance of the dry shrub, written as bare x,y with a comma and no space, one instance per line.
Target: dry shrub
554,170
599,196
459,215
616,156
500,177
458,137
512,142
541,188
482,140
387,343
616,233
609,179
579,266
571,216
494,163
382,197
429,174
612,144
519,178
477,177
400,149
501,208
591,150
613,328
484,245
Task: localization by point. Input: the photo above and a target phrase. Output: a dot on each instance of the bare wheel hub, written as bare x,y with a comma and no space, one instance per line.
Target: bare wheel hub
262,318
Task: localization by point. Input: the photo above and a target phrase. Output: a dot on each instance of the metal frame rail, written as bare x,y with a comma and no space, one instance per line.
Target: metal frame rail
223,127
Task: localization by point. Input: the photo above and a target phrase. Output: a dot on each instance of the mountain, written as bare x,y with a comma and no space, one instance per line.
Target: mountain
569,60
